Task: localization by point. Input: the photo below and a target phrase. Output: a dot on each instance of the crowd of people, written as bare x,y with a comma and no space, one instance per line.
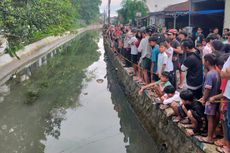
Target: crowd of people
188,73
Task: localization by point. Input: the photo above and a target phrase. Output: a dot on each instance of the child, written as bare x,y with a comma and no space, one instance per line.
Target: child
134,51
194,110
162,59
145,60
169,66
223,105
154,57
159,85
170,96
211,88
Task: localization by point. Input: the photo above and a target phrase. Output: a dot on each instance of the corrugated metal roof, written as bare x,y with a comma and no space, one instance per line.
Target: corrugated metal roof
180,7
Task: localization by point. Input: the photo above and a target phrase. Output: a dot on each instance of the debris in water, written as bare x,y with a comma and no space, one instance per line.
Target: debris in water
85,93
11,130
14,76
100,81
4,127
1,99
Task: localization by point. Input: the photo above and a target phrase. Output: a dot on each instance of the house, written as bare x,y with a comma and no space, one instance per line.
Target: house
207,14
227,14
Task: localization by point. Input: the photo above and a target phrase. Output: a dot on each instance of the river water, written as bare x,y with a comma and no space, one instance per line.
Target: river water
70,103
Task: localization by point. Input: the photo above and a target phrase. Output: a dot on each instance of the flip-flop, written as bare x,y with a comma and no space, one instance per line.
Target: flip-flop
222,150
176,120
219,143
204,140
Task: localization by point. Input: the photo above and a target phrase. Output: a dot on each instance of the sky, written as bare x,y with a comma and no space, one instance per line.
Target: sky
115,5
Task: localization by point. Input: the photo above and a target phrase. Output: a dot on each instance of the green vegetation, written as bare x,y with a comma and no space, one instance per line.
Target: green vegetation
36,107
129,10
26,21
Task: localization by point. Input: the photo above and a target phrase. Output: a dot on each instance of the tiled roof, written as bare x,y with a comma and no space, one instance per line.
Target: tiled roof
178,7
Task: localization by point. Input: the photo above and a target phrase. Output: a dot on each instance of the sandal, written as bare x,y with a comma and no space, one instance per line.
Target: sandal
204,140
222,150
220,143
176,120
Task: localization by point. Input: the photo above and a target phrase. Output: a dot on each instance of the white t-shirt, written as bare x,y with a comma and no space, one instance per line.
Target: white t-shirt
162,59
174,98
145,48
126,40
227,89
169,65
131,42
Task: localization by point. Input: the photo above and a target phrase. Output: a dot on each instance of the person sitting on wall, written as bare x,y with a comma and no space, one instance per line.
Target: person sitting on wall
158,86
170,96
194,110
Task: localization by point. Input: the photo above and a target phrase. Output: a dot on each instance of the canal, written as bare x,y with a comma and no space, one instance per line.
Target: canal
69,102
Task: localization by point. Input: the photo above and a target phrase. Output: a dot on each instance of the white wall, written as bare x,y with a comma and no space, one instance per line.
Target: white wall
227,14
159,5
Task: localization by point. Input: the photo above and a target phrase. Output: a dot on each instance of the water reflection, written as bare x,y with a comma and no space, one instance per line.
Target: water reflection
36,98
135,138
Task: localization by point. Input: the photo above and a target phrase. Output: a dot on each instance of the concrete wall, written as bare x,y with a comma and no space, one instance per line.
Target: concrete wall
227,14
156,121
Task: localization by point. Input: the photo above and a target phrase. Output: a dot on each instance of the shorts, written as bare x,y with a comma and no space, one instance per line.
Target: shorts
134,59
201,120
176,63
155,77
198,93
146,64
138,56
211,108
182,114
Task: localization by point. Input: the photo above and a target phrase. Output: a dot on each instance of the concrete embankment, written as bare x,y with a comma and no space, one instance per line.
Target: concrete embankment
10,65
156,121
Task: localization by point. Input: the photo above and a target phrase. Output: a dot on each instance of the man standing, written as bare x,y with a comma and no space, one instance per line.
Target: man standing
177,54
145,59
193,66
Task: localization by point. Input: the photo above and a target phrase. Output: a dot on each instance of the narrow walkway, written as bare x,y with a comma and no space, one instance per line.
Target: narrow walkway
10,68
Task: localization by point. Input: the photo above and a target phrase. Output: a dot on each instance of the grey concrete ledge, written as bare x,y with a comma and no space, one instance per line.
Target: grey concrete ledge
156,121
10,65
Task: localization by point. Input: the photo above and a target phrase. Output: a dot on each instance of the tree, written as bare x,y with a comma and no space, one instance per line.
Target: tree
89,10
129,9
25,21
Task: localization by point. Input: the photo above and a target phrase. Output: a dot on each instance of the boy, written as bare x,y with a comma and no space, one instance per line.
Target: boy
170,96
225,74
223,105
145,60
134,52
194,110
211,88
154,57
177,52
159,85
169,66
162,59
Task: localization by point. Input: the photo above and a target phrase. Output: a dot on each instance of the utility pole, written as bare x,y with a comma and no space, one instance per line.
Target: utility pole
190,12
109,3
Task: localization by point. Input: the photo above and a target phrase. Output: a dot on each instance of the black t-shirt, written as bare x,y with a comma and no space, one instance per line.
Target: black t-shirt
175,44
226,48
197,107
193,63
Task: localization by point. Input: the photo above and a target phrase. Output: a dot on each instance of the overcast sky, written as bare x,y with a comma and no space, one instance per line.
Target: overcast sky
115,5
